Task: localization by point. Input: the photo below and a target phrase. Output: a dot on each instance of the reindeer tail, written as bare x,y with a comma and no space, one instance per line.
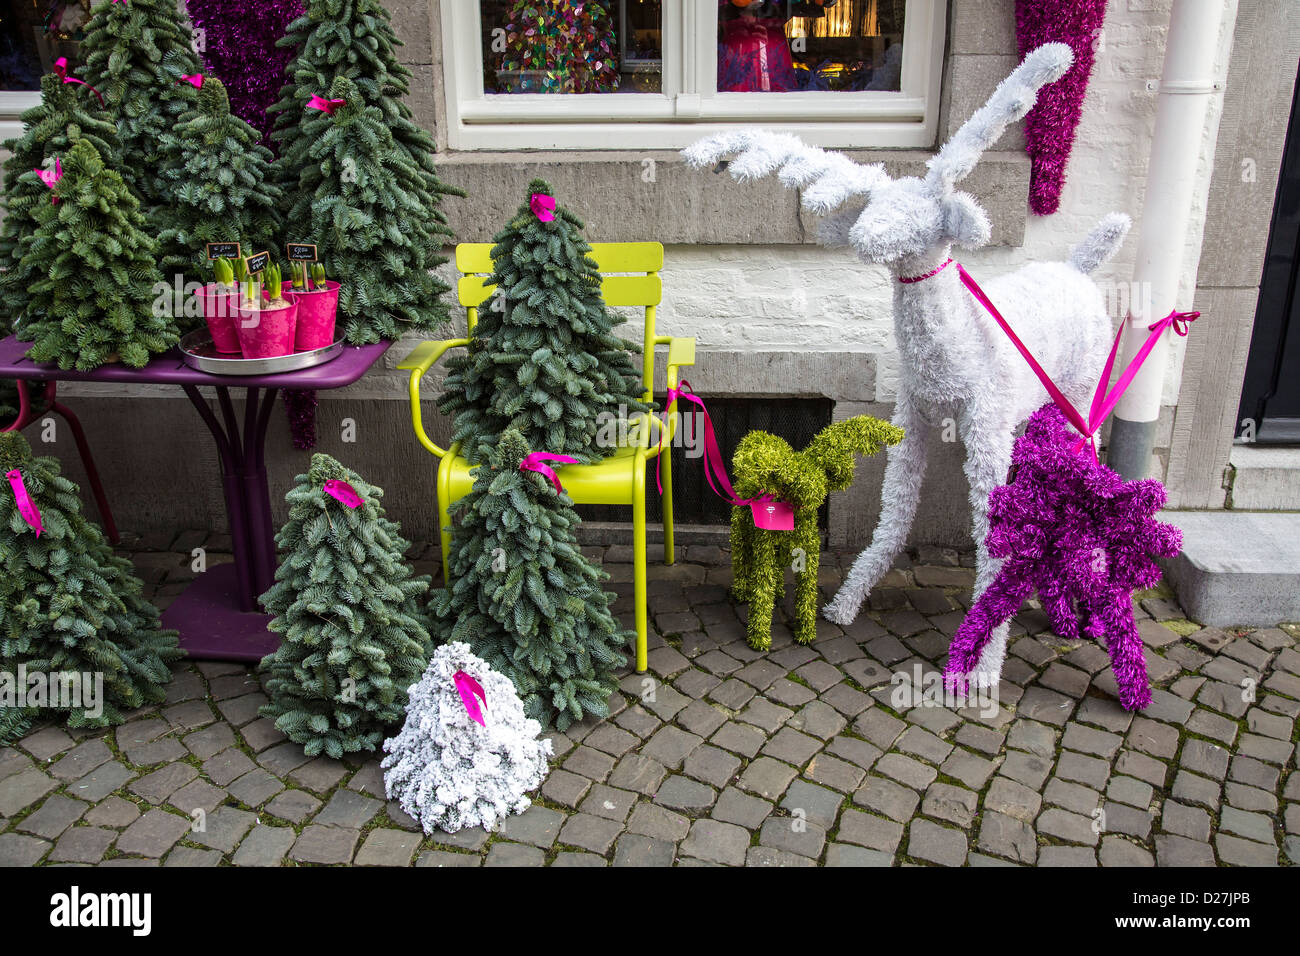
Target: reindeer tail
1102,243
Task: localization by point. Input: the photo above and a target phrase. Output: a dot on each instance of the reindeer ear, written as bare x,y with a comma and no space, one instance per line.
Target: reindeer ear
964,222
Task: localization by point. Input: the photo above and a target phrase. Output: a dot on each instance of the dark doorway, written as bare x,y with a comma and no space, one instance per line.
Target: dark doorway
1270,395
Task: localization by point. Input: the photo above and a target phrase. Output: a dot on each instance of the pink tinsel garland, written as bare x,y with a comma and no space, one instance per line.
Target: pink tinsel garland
1050,125
238,47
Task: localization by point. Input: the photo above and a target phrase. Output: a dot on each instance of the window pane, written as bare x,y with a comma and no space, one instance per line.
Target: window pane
572,46
33,34
784,46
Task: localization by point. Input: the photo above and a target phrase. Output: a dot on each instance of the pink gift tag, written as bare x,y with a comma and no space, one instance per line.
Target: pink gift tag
773,515
344,492
26,507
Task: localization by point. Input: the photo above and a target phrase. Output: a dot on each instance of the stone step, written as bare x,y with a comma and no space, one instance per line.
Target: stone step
1264,478
1237,567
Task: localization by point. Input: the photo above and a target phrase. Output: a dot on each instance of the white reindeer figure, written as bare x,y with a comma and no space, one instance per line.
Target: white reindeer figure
956,363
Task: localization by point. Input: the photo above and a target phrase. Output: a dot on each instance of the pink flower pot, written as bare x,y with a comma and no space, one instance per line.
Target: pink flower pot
266,333
220,308
317,309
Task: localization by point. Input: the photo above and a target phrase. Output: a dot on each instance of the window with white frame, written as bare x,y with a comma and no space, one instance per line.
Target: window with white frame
645,74
33,34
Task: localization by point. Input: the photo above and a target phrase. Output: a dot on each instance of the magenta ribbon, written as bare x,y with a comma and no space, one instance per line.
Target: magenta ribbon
324,105
51,177
536,461
543,206
342,491
61,71
194,79
468,688
26,507
1103,401
715,469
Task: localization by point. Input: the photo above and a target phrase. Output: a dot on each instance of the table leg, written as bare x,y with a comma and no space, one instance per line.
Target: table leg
257,492
232,482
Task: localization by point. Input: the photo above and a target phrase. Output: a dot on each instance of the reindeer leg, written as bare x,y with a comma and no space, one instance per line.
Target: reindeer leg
988,456
902,489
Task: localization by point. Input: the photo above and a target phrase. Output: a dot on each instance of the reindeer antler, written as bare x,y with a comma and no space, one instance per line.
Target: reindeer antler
828,180
1014,97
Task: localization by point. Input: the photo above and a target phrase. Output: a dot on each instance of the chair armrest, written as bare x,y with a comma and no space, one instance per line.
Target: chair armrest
681,351
418,362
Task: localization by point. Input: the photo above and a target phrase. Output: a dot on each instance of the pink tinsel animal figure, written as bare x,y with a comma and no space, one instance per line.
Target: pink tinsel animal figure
1083,538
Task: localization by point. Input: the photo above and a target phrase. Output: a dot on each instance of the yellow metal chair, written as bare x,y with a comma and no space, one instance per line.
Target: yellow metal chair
619,479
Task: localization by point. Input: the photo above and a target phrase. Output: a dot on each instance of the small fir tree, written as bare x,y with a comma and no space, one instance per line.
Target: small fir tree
524,598
94,302
368,203
67,112
136,52
69,605
543,357
345,600
219,178
353,39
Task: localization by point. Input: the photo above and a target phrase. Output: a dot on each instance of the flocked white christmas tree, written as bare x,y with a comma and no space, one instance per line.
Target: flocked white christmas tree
449,771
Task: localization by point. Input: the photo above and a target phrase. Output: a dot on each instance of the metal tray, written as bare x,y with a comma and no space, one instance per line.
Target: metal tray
198,352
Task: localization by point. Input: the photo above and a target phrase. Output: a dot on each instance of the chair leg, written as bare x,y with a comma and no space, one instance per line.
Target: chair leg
639,571
444,516
92,473
666,472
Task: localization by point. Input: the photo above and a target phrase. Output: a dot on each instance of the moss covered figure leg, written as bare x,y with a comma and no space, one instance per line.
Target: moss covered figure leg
763,600
805,588
742,558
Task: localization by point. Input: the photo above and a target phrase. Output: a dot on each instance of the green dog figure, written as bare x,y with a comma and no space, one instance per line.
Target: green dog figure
766,465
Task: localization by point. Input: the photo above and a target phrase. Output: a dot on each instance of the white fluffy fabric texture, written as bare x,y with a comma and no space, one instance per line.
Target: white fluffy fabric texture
447,771
956,363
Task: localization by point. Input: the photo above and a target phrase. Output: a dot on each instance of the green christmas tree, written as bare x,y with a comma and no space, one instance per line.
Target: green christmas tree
345,600
136,52
67,112
94,302
69,605
368,202
524,598
219,178
355,39
543,357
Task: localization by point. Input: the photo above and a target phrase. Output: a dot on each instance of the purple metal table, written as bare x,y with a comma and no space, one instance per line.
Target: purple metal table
217,616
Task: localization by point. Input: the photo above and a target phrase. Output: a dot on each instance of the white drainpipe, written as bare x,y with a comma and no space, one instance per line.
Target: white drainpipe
1186,85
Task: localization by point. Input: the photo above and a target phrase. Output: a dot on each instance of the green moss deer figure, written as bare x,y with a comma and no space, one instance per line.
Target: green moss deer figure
766,464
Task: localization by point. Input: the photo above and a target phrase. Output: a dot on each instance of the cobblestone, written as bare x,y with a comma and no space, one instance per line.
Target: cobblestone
795,757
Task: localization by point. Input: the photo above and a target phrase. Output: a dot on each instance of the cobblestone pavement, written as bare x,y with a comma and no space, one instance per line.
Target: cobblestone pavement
722,755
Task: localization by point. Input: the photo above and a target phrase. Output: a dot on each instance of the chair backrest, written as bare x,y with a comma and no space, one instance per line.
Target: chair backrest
641,288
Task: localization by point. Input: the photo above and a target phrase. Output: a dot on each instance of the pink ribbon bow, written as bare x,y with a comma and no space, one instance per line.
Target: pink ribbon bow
536,461
26,507
51,177
543,206
1103,401
468,688
194,79
342,491
61,71
324,105
715,470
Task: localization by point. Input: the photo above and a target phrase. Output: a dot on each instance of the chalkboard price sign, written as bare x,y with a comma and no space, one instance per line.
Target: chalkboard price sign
258,263
301,251
223,250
